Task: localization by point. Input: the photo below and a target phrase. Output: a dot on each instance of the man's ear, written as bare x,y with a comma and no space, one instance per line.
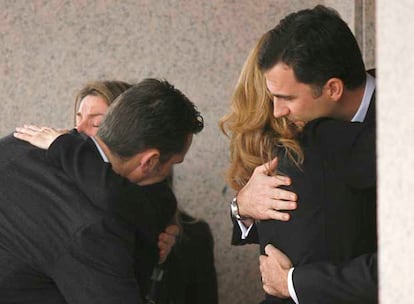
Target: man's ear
334,88
150,160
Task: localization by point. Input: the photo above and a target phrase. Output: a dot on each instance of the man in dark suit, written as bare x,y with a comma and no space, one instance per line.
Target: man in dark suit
67,234
313,68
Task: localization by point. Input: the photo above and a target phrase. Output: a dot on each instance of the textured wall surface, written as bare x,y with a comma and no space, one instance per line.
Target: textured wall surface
364,29
49,48
395,150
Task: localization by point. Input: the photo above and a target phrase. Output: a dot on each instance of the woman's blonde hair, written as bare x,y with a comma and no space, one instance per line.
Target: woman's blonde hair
255,135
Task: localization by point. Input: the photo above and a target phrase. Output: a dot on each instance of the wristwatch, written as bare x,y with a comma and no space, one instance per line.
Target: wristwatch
234,208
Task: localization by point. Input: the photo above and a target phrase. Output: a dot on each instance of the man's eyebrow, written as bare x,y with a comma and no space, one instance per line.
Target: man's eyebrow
91,115
283,96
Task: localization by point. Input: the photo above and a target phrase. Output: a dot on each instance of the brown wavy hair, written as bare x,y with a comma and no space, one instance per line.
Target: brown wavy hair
255,135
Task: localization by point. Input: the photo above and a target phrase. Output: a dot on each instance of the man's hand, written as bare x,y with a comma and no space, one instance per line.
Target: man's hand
166,240
261,199
274,269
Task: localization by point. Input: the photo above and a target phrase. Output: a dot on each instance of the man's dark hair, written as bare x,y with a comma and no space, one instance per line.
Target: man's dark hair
318,45
151,114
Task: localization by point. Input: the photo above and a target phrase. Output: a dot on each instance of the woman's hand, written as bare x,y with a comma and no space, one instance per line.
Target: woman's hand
166,240
41,137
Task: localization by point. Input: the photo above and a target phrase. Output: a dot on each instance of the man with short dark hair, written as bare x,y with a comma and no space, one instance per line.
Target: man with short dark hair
68,223
314,68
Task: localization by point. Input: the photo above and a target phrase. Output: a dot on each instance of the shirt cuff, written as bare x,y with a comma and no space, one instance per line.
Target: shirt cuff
244,230
291,288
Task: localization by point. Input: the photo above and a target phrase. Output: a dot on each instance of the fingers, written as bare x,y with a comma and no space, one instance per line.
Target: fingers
62,131
173,230
22,136
262,267
165,244
32,130
262,259
32,127
166,241
274,253
271,250
282,194
271,166
281,180
281,205
262,199
277,215
26,130
163,256
268,167
274,269
277,206
41,137
267,289
274,182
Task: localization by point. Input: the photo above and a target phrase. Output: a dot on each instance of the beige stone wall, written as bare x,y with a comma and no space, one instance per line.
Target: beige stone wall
49,48
395,150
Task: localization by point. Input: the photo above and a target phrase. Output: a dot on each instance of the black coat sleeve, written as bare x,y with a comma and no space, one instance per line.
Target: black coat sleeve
252,237
97,266
351,282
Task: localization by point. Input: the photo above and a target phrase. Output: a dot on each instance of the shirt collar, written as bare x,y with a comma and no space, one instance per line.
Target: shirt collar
101,152
366,100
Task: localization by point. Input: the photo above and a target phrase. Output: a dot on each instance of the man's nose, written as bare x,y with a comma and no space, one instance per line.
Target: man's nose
280,109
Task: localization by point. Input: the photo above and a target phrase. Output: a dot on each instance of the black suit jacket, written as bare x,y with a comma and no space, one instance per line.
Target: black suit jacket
336,216
353,280
61,244
190,274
